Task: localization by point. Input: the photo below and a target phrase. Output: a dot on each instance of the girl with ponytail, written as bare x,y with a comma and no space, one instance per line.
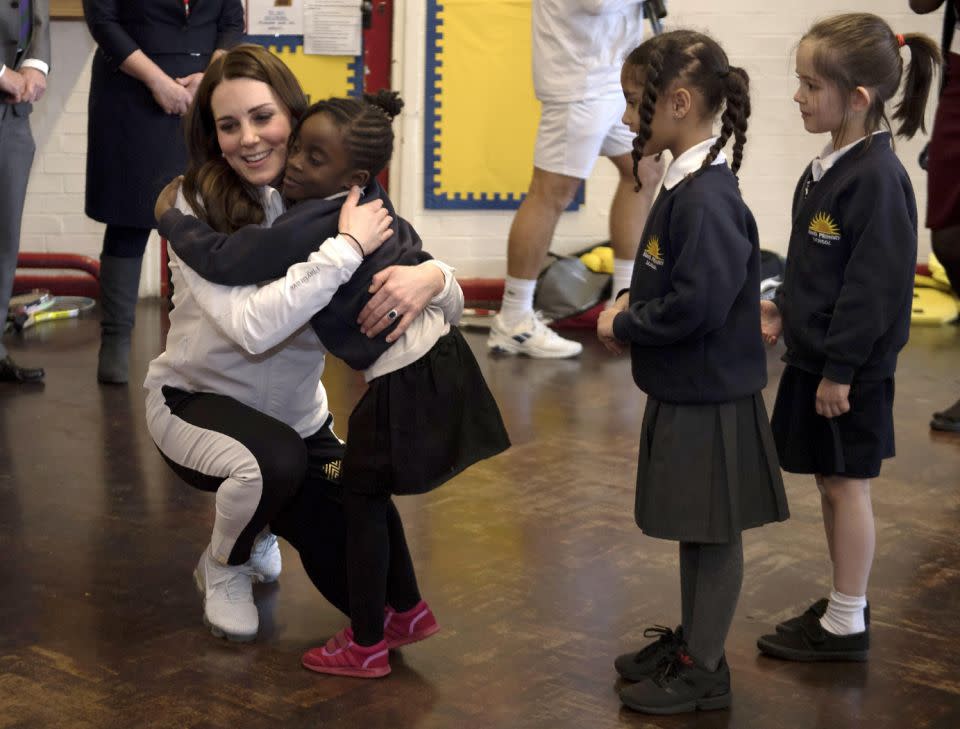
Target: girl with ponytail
707,468
844,307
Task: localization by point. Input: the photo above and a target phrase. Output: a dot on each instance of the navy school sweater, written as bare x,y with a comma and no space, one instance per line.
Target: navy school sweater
254,254
847,292
694,319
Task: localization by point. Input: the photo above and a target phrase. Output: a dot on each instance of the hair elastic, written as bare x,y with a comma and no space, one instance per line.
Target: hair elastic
901,41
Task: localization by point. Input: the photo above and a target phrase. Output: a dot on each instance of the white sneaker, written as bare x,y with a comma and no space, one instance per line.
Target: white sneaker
265,562
530,336
227,590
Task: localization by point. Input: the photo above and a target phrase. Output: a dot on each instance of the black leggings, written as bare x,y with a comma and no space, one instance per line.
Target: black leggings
379,568
300,497
315,525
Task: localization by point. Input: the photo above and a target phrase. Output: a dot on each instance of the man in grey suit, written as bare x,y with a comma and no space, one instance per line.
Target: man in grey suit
24,63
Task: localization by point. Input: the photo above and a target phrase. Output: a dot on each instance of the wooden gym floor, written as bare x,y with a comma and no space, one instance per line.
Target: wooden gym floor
531,561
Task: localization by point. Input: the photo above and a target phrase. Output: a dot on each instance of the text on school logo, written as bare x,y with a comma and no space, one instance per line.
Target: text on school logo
651,252
823,229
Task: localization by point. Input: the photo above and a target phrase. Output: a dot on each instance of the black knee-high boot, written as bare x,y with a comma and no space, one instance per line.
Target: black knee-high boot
119,284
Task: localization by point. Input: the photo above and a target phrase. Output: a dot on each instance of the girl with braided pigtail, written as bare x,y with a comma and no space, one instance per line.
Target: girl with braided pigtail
707,466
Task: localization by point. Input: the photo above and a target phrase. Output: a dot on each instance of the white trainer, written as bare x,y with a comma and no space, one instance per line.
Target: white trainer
265,562
227,590
530,336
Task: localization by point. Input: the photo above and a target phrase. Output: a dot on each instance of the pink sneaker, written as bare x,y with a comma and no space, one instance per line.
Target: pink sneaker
415,624
342,657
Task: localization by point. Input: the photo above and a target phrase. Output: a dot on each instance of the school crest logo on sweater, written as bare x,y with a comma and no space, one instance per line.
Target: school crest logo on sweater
652,253
823,229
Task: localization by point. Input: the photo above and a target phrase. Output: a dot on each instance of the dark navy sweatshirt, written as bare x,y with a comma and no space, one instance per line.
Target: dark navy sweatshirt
848,287
254,254
694,319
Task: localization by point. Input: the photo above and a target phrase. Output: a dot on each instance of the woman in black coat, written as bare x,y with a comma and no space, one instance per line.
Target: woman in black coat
150,58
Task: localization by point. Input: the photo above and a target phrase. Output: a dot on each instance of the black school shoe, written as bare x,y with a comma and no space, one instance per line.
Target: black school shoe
647,661
819,608
947,420
812,643
681,686
947,425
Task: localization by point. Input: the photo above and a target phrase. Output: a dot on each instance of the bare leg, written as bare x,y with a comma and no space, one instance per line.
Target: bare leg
629,210
536,220
854,533
828,520
516,330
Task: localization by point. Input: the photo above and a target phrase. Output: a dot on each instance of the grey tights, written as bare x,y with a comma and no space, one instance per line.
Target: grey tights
710,579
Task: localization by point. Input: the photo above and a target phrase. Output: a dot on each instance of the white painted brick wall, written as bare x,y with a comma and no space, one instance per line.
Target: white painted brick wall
758,34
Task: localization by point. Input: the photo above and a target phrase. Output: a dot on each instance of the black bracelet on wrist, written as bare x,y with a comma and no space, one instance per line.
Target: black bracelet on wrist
347,235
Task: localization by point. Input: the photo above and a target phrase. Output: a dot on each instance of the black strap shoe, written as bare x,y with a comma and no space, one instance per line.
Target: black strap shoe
11,372
813,643
819,609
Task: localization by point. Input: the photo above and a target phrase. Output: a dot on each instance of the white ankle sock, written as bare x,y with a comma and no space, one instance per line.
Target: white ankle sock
517,299
844,614
622,273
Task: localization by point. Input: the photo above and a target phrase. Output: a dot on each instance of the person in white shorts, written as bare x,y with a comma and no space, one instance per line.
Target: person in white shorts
578,50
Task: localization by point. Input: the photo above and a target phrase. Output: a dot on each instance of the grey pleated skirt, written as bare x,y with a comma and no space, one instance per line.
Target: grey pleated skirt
707,472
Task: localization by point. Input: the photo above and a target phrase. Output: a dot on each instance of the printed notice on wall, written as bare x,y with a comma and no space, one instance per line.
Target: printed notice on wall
332,27
275,17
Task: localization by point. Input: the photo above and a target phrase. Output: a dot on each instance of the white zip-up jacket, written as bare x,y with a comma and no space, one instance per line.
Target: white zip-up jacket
254,343
579,47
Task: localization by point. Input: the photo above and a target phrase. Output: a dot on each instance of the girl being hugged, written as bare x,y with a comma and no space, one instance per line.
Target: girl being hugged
844,306
707,466
427,414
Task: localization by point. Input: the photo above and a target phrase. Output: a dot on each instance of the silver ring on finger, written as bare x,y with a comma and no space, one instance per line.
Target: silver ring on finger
392,314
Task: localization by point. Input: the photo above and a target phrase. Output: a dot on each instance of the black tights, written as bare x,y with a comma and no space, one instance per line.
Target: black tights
314,524
122,241
379,566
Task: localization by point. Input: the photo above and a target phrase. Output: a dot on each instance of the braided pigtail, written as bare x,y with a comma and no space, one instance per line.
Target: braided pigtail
733,121
648,106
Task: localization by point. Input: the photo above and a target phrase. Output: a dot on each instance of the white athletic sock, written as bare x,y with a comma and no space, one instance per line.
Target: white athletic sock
844,614
517,299
622,273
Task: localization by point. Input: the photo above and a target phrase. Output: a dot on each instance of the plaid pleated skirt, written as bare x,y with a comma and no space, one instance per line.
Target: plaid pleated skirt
418,427
706,472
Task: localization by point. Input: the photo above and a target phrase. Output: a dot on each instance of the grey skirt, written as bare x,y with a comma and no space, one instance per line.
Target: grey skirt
707,472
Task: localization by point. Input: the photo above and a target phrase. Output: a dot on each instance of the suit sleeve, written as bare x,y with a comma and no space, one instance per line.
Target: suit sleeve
105,27
230,24
40,48
251,254
878,278
708,274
